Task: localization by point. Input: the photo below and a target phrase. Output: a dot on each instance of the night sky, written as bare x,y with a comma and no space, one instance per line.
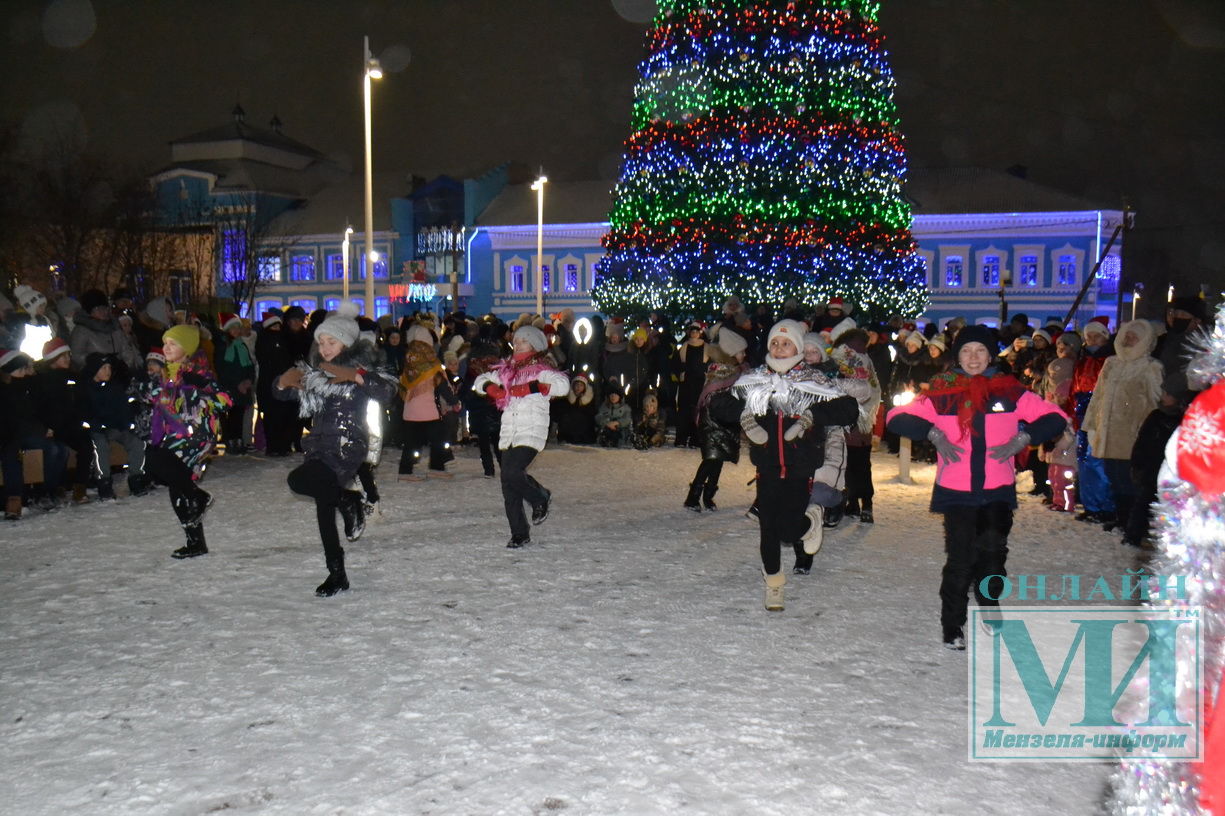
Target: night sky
1100,98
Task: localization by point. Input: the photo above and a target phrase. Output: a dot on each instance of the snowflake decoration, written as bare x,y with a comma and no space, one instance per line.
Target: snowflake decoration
1200,433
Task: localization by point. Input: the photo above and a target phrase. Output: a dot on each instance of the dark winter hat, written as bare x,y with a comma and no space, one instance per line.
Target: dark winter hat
975,334
93,299
1192,305
295,312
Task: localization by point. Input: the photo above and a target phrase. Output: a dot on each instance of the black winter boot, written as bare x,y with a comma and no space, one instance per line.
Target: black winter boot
691,499
192,507
708,496
541,511
336,581
195,542
865,512
353,513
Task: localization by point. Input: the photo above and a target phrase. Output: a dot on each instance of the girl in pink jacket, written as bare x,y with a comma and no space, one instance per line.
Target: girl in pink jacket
973,416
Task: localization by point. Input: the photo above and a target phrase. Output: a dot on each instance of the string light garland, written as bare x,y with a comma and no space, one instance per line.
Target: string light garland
765,162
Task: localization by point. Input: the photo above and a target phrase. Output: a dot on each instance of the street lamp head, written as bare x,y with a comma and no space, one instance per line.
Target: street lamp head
374,256
373,69
539,183
348,231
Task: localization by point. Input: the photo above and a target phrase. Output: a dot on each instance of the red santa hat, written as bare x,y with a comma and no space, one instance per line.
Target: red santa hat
1098,325
838,303
8,355
227,320
54,348
272,318
156,355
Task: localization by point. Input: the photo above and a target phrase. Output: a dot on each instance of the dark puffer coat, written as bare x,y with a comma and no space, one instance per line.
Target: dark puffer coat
339,436
719,425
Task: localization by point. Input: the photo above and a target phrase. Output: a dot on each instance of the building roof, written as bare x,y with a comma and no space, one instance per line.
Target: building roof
249,174
953,190
239,129
930,191
342,202
575,202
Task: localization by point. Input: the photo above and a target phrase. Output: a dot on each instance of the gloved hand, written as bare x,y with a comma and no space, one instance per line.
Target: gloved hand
533,387
1002,453
798,428
340,374
292,378
945,446
756,434
494,391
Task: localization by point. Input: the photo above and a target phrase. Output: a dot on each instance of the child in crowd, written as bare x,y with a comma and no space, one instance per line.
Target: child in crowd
334,388
614,419
187,409
649,431
575,415
522,387
718,424
108,412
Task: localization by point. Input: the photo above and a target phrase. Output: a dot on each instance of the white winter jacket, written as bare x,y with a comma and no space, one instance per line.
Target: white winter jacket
525,420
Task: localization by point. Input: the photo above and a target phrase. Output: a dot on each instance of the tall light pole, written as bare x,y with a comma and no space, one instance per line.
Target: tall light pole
372,71
538,186
344,263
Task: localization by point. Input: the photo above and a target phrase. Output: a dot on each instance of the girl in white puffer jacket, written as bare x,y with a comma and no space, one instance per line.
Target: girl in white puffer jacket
522,387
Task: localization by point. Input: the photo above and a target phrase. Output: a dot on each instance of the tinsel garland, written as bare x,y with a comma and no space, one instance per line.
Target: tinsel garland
1190,536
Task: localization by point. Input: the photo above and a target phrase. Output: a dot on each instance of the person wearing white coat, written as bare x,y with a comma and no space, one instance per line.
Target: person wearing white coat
522,387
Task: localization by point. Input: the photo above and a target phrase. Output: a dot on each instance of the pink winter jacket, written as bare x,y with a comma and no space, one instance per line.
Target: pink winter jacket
977,478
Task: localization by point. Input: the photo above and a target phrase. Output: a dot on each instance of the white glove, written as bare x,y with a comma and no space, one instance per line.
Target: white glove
945,446
756,434
1002,453
801,425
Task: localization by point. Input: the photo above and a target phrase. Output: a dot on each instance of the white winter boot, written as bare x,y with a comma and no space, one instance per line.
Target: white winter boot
774,590
812,538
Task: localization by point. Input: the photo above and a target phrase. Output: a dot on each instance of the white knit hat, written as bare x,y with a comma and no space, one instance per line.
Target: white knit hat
842,327
534,336
731,343
793,330
28,298
341,324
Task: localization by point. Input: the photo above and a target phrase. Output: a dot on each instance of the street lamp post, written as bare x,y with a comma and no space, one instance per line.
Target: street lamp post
538,186
372,71
344,264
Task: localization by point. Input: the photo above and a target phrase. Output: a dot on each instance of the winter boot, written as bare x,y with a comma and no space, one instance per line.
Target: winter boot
774,591
353,514
833,517
518,541
816,529
865,513
12,508
691,498
106,490
79,494
708,496
541,511
954,639
852,508
803,561
138,484
336,581
195,542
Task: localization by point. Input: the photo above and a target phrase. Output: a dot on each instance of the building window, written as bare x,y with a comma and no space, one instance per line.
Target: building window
244,309
382,306
262,307
991,270
380,267
1109,274
1029,270
307,304
336,267
1067,270
270,268
180,286
233,255
953,271
302,267
571,277
544,278
331,304
360,303
516,278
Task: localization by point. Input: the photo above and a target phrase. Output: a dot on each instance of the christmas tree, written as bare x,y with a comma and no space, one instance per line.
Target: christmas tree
765,162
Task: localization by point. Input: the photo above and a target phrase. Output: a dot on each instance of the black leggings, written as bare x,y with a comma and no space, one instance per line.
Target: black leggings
708,474
976,543
859,474
315,479
416,436
518,487
781,504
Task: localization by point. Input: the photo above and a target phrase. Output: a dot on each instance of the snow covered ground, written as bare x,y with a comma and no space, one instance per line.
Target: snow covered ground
621,664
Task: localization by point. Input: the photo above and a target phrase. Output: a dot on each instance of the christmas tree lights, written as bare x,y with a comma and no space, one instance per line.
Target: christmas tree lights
765,162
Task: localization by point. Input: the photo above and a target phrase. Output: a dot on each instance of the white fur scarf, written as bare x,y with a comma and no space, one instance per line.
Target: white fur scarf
317,386
764,390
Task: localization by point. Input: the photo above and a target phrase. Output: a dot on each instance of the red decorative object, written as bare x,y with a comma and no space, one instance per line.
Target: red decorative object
1201,442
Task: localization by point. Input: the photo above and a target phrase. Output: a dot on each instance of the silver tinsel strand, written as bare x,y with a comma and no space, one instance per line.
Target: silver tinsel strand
1190,535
